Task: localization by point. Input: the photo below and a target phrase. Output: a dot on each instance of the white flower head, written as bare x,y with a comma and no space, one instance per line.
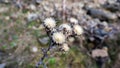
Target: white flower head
65,47
78,29
65,26
58,37
73,20
49,23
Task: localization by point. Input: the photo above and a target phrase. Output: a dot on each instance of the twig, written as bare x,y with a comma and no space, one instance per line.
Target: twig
44,56
45,51
64,10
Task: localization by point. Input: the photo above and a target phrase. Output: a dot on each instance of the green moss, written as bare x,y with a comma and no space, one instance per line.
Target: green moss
25,11
4,47
29,66
52,60
13,44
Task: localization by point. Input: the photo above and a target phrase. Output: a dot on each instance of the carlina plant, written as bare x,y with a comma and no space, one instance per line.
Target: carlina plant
88,31
95,34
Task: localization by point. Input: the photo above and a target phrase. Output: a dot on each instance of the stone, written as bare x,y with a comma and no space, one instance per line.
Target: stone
32,7
38,1
34,49
2,65
44,40
32,16
101,14
3,9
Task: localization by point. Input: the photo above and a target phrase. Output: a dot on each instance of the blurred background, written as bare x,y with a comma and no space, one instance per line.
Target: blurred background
22,36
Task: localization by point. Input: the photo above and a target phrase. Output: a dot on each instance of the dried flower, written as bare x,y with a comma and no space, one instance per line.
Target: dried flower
49,23
65,26
65,47
58,37
78,29
67,30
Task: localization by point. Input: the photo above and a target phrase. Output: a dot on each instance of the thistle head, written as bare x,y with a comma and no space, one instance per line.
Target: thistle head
58,37
49,23
78,30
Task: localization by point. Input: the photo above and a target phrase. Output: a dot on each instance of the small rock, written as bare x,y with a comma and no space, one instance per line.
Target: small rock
105,23
100,53
4,1
3,9
7,18
118,15
41,27
2,65
119,56
101,14
32,7
100,1
34,49
112,7
118,1
44,40
81,5
38,28
112,1
14,16
19,4
32,16
38,1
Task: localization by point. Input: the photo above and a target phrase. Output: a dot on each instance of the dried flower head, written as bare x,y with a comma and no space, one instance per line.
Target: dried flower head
49,23
78,29
58,37
65,47
66,28
73,20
